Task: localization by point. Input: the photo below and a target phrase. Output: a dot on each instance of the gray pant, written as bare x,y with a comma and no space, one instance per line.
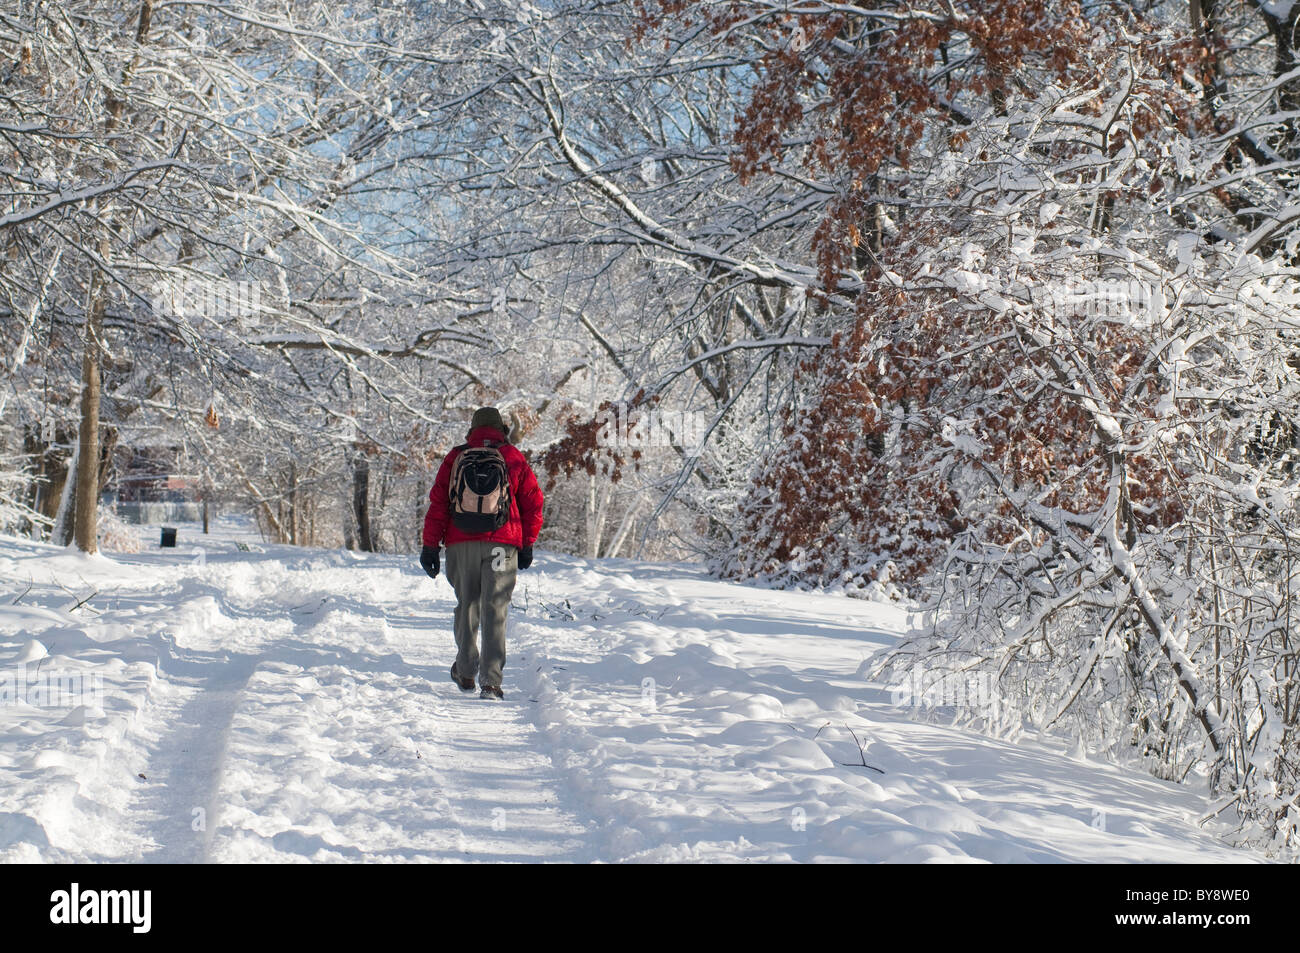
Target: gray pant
483,575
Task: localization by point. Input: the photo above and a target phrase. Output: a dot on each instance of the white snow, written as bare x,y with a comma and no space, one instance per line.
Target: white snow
294,705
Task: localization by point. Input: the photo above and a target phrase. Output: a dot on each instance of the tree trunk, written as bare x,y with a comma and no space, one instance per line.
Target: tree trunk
88,468
45,448
349,523
61,533
86,514
361,502
292,515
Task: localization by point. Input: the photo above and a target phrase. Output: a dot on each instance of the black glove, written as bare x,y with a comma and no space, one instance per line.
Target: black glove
525,557
429,560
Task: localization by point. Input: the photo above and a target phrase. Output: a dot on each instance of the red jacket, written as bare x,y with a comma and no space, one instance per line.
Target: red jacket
525,499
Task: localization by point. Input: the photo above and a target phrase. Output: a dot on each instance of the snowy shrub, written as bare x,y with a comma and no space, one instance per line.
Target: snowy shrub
116,535
15,515
1118,553
1062,402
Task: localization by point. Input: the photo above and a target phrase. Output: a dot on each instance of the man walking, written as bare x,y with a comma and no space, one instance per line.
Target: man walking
487,506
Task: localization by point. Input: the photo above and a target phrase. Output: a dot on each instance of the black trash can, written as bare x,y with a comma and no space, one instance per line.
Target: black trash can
168,537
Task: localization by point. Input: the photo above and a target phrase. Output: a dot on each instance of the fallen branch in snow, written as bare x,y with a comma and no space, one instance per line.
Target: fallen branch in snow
552,608
303,608
18,598
567,612
862,754
79,602
82,602
1227,803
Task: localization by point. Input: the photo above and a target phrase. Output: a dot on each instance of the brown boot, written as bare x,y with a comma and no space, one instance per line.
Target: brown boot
464,684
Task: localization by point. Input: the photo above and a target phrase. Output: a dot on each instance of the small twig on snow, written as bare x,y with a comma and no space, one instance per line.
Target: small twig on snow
18,598
862,754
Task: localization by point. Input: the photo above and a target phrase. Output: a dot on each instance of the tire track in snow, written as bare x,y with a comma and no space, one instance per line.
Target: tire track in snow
352,742
177,810
433,754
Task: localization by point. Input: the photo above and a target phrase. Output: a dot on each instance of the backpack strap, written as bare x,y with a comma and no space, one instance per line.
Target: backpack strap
454,475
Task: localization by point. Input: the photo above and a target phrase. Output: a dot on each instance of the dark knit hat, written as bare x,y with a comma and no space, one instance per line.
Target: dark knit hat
488,417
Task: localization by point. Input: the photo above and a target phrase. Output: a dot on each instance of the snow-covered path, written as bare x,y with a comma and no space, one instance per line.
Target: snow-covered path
294,705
